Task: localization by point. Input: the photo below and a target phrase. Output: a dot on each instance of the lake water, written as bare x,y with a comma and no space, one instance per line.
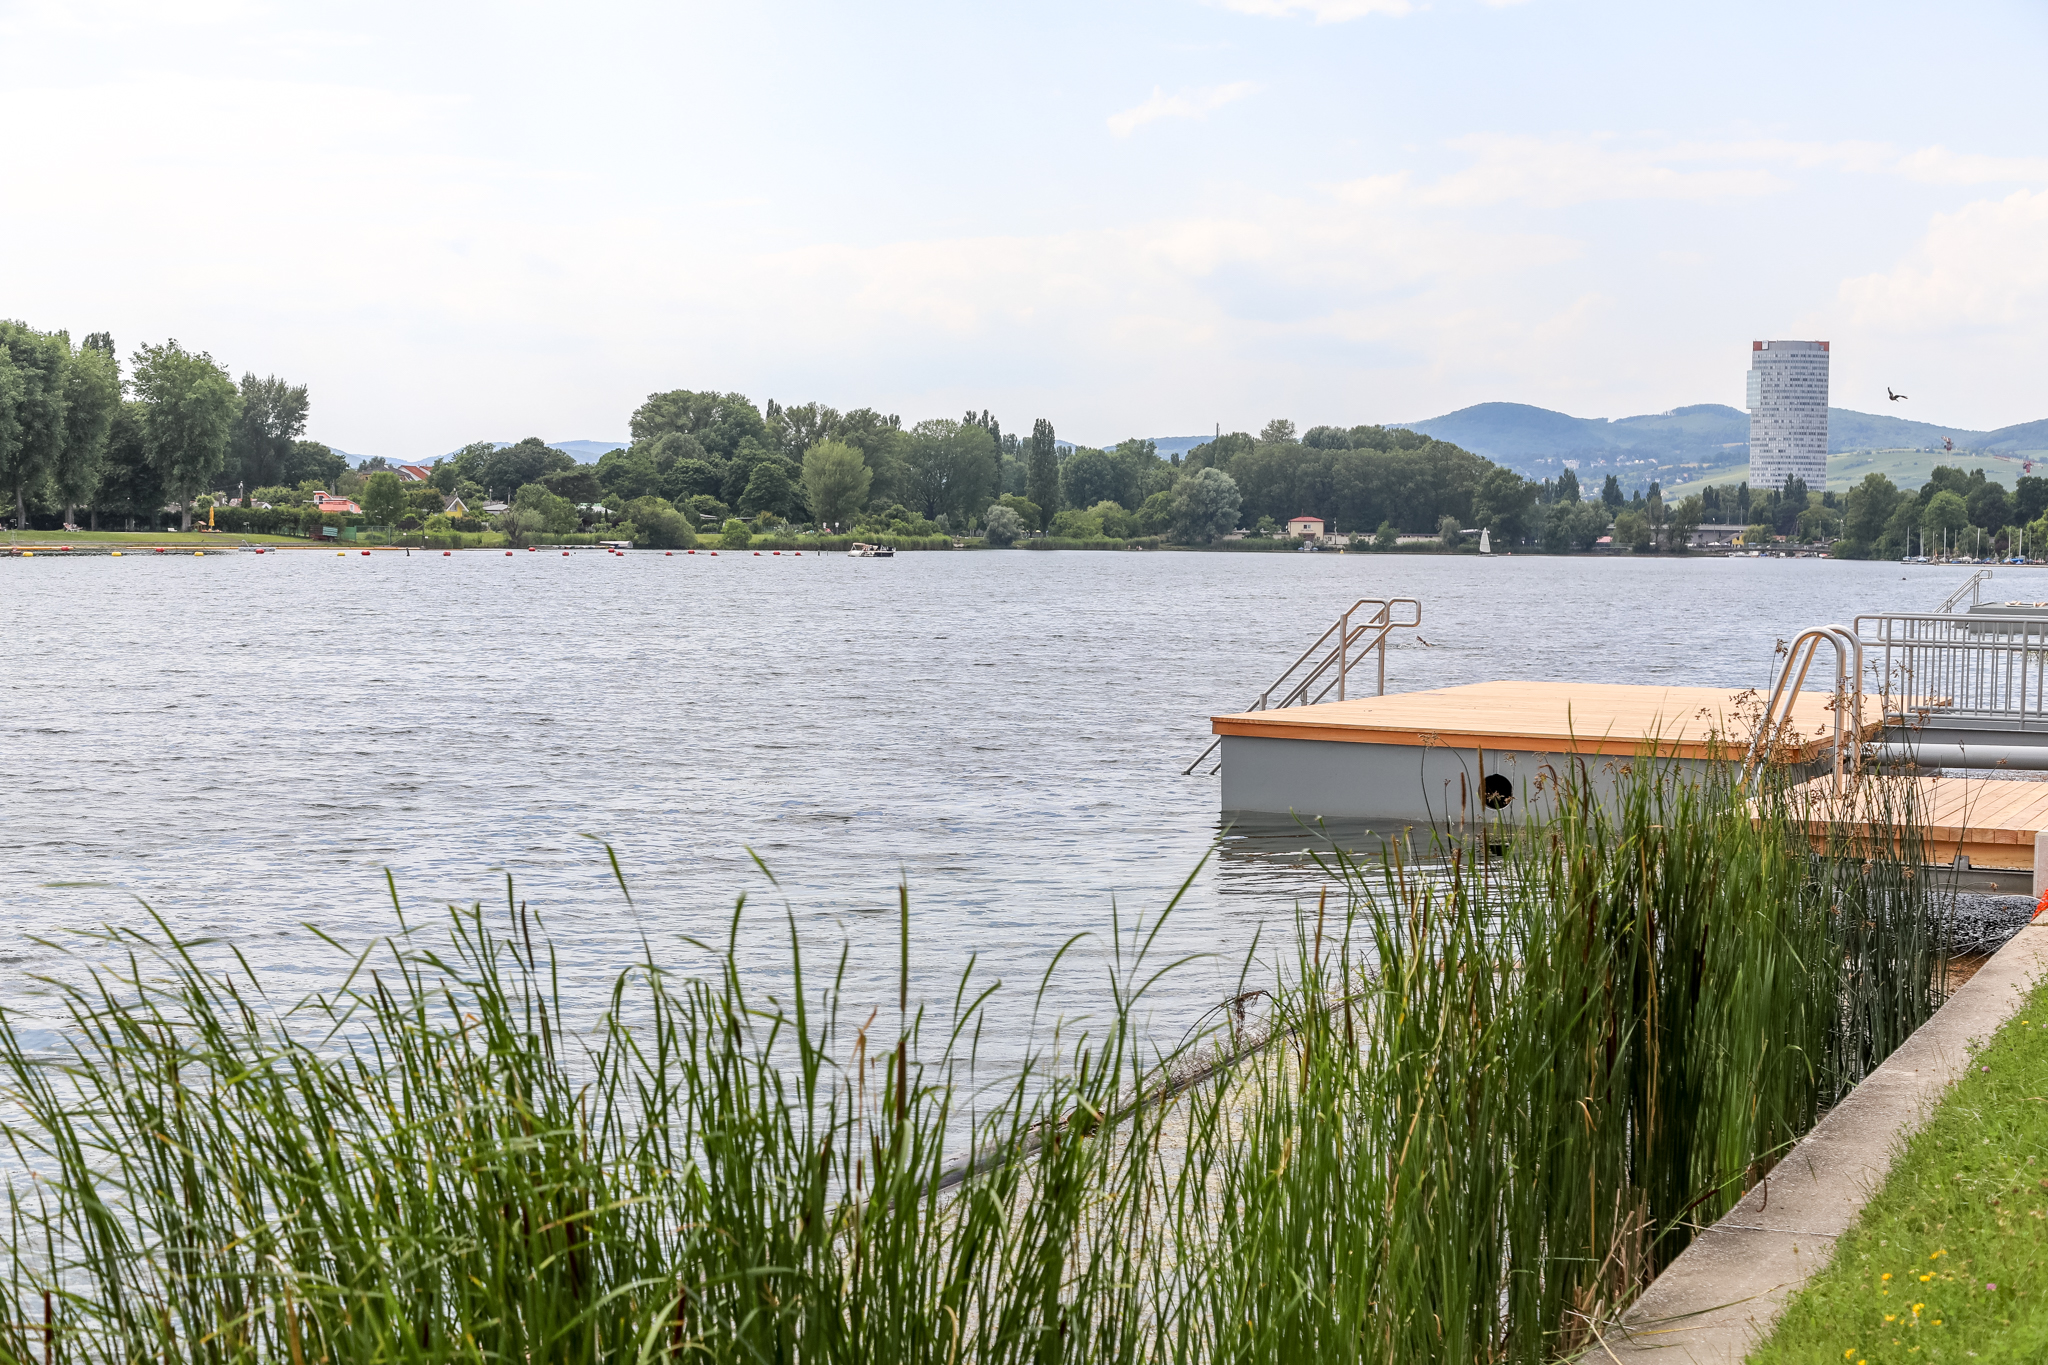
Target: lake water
246,743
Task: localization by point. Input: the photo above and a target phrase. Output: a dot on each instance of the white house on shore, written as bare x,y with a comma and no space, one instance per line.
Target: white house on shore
1305,528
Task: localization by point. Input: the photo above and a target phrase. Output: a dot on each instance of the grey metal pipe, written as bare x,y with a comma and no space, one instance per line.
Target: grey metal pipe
2015,757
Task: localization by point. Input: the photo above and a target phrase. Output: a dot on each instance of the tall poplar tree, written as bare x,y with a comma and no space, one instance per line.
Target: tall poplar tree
92,394
31,410
192,405
1042,475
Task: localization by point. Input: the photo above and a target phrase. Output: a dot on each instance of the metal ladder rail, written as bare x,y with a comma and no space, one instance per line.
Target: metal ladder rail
1970,586
1382,620
1848,665
1341,656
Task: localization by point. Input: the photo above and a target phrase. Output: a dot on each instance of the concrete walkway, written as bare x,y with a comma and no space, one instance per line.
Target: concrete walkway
1725,1292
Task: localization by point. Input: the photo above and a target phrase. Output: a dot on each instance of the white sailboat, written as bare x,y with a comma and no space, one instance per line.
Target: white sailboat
1485,542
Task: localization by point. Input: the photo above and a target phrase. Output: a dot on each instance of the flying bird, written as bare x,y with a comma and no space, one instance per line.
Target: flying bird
1895,397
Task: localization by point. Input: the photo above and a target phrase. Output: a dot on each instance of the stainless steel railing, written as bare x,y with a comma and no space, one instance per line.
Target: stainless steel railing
1980,666
1327,665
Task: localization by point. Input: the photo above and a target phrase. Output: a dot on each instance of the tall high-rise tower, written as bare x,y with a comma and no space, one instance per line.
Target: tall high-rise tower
1788,413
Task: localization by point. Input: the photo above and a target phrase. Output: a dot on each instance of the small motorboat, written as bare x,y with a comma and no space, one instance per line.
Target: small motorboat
862,550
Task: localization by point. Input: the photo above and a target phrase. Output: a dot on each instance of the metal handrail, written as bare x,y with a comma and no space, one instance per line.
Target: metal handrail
1983,665
1341,656
1971,587
1848,666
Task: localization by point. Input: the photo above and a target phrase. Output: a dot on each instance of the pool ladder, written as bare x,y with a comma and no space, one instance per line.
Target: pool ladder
1338,650
1848,684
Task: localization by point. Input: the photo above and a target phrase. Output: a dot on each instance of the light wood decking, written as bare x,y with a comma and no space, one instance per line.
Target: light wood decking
1545,717
1991,821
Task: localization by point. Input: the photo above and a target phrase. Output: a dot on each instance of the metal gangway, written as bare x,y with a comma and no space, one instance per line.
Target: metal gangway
1983,667
1326,666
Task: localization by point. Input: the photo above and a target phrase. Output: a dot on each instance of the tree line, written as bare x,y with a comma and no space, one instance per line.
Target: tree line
76,432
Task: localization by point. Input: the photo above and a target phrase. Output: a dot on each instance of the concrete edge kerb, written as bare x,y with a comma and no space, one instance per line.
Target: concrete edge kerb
1725,1291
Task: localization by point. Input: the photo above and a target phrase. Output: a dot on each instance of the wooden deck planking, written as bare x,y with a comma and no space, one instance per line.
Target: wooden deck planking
1992,821
1544,717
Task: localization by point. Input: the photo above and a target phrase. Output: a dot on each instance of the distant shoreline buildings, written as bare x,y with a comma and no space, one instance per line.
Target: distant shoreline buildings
1788,413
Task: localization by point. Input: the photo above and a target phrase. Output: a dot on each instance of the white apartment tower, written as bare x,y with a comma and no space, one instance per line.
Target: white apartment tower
1788,413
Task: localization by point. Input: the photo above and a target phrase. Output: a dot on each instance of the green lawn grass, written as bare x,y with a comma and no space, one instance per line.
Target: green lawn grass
199,538
1950,1260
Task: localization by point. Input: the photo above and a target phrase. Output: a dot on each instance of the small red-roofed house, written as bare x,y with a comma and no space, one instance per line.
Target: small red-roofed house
1306,528
414,473
343,506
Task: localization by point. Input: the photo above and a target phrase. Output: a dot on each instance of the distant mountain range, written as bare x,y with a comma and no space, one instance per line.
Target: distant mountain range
1517,434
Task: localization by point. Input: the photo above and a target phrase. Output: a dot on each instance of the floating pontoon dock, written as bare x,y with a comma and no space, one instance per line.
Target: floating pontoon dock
1992,823
1442,754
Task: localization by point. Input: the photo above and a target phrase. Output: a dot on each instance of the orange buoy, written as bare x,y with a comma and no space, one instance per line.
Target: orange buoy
670,553
714,554
446,553
799,554
687,552
366,554
757,554
533,549
508,554
565,554
777,553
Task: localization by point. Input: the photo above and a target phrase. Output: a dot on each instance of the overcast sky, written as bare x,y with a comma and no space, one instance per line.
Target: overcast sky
491,221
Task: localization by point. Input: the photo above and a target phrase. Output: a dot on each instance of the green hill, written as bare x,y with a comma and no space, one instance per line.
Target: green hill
1689,447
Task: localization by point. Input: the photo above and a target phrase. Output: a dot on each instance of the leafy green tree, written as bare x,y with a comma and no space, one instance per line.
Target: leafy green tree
310,460
1155,518
579,484
659,526
1279,431
192,406
1027,511
1574,525
1449,534
1943,520
1686,519
130,486
949,468
1610,494
555,514
1387,537
384,499
444,477
272,416
1074,523
1088,476
1042,474
1989,507
737,535
1818,525
793,431
719,421
688,479
1002,525
768,489
1205,506
2029,498
1502,504
1632,528
1866,514
1759,536
515,466
1566,488
31,410
92,395
836,482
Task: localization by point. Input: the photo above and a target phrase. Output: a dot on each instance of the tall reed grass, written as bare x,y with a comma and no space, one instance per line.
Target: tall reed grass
1495,1086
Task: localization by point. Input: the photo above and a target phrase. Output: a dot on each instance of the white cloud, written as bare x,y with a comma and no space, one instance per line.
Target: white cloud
1553,172
1985,265
1181,104
1322,11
